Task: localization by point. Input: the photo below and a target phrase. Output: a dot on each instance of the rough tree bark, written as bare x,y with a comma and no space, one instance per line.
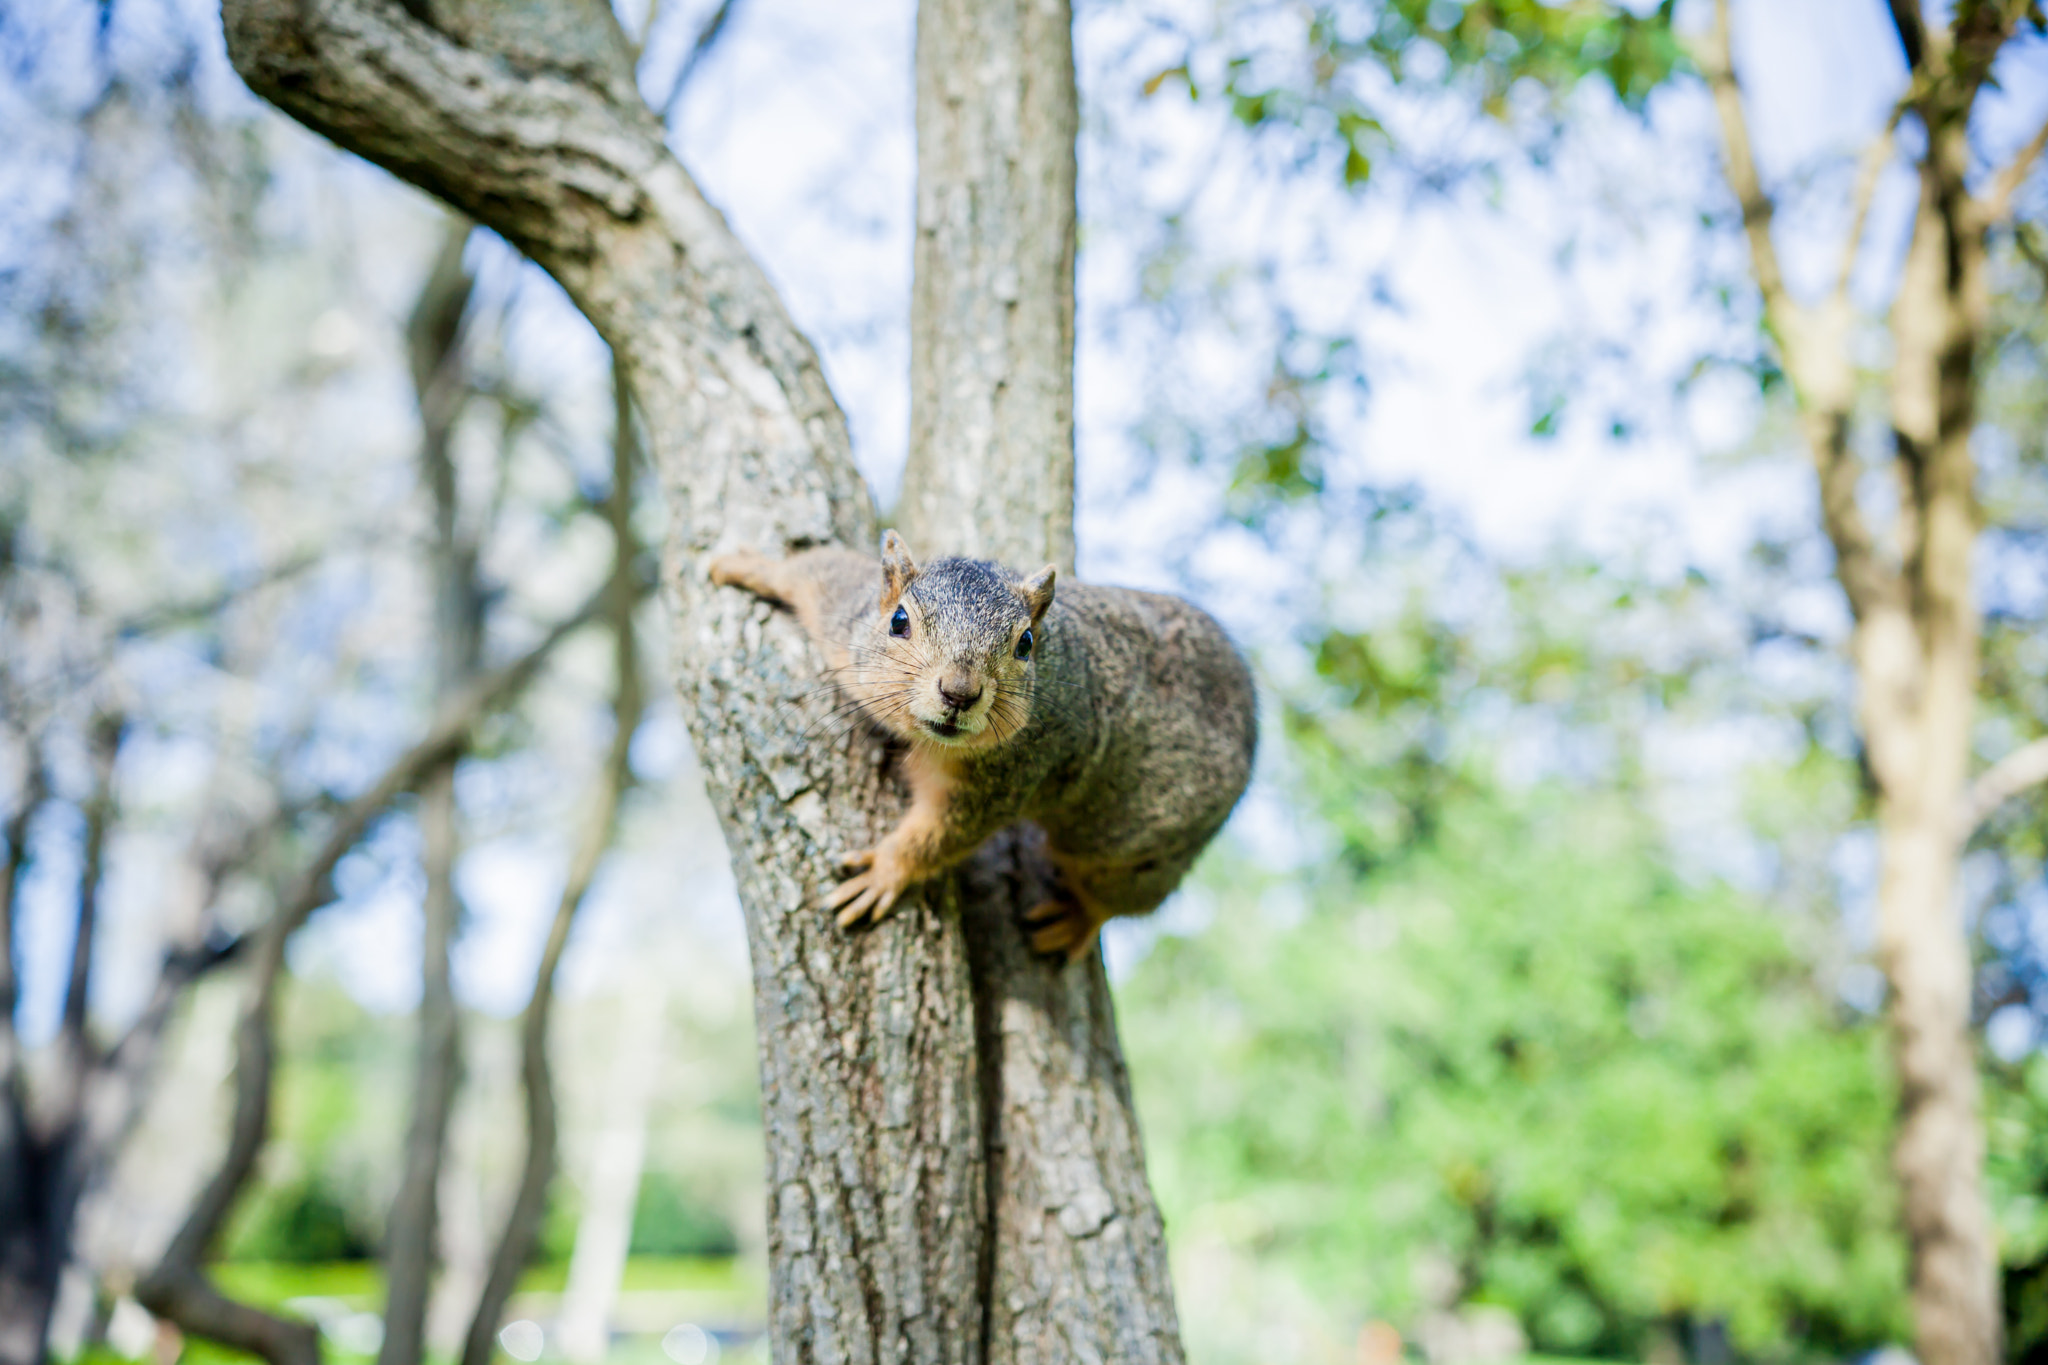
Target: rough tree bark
874,1099
1075,1248
991,469
1914,644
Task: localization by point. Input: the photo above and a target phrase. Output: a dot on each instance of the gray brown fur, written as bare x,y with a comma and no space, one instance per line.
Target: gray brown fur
1127,737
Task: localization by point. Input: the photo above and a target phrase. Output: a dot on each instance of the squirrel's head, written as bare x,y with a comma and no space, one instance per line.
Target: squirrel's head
948,658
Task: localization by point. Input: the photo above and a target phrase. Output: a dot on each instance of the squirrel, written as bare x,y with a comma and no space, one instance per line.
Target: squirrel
1120,722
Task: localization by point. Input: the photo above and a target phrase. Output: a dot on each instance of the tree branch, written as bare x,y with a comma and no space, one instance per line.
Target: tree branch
1996,204
105,745
154,619
522,1223
700,47
1869,172
2024,767
1912,32
435,335
178,1288
120,1086
1813,343
35,791
1716,58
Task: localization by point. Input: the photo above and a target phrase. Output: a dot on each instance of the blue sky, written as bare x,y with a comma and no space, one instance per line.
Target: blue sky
799,127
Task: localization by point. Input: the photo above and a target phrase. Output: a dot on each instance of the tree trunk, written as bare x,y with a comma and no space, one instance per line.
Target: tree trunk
618,1157
991,468
29,1259
529,1201
46,1146
873,1100
411,1236
1915,641
434,336
1918,704
31,1248
1074,1248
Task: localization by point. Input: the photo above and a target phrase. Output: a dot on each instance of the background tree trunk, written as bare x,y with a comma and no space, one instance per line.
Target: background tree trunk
527,118
618,1158
529,1203
434,338
1917,707
1915,640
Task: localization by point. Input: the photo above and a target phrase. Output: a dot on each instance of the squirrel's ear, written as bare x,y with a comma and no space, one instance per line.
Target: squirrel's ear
898,568
1037,591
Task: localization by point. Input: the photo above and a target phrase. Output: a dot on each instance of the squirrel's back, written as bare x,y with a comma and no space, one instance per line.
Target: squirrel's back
1121,722
1173,720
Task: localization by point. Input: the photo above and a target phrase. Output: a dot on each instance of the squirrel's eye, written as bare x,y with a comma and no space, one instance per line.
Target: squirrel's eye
1024,644
899,624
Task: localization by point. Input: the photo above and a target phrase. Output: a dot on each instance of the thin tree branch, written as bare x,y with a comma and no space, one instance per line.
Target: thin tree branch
2024,767
522,1224
707,38
1912,32
1996,204
1813,343
2036,254
1869,172
35,791
178,1288
120,1087
105,743
435,337
1716,58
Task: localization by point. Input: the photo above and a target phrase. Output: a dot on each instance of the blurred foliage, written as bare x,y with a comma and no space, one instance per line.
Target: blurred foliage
323,1190
1343,89
1596,1095
670,1218
2016,1164
306,1220
1321,72
1504,1035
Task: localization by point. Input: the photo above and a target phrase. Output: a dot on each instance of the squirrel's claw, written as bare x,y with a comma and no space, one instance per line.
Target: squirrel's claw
869,895
1061,929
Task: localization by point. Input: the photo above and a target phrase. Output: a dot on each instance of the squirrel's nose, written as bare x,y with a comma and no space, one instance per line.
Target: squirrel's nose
959,691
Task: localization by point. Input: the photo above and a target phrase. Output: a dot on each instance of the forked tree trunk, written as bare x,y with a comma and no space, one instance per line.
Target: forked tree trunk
883,1084
1915,639
1918,677
1073,1247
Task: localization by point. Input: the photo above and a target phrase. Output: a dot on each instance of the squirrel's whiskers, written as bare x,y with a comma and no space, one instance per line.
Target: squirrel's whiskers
1120,722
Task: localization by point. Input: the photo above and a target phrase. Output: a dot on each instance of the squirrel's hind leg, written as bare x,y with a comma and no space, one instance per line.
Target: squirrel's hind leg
1091,894
1062,928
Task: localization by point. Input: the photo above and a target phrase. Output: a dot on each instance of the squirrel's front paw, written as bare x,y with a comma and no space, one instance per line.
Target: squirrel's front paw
740,569
871,894
1061,929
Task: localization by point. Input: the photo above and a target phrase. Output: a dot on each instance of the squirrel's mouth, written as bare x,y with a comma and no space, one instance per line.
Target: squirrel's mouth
944,729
